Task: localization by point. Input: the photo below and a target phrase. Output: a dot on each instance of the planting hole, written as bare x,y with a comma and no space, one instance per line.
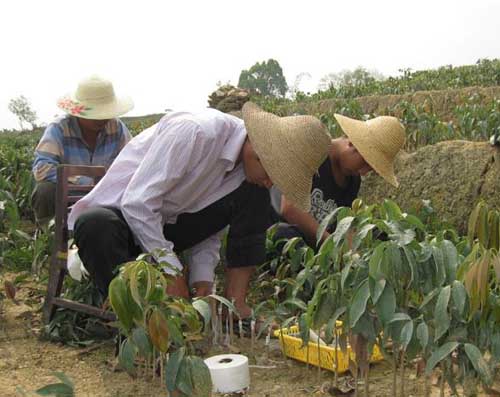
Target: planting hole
225,360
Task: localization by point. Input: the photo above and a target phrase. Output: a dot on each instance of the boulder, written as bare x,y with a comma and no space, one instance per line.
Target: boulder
453,175
228,98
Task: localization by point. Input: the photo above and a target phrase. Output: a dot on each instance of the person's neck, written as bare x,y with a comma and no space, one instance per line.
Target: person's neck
89,136
338,172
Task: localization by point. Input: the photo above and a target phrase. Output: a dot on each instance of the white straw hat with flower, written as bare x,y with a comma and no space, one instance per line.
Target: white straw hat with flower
95,99
377,140
291,149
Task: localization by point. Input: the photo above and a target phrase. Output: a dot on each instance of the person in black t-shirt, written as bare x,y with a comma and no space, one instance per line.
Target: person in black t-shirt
367,146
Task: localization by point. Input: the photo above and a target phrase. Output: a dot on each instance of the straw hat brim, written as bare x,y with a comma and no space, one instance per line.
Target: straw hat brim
268,135
95,110
359,133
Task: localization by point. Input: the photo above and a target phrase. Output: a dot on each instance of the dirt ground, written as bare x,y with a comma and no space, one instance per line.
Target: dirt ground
27,362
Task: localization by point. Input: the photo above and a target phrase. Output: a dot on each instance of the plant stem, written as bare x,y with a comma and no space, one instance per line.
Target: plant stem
219,316
402,369
441,393
319,360
231,323
336,356
394,370
367,381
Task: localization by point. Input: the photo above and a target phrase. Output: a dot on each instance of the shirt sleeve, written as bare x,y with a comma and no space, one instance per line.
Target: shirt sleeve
203,258
174,152
125,135
48,154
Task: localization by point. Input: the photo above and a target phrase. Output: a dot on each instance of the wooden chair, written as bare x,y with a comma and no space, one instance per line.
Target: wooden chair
66,195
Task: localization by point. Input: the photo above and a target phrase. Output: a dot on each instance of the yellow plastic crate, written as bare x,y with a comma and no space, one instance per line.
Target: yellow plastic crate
292,347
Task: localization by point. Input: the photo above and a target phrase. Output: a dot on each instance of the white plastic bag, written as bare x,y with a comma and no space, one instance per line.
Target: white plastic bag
74,264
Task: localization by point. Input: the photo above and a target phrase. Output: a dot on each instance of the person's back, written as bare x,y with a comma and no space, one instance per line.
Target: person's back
89,134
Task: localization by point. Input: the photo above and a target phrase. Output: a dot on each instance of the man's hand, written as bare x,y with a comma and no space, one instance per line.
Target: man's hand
177,286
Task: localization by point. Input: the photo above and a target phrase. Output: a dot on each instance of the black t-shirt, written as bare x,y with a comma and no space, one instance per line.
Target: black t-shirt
326,195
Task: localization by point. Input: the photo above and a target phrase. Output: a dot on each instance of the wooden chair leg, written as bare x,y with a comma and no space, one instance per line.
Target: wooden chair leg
56,278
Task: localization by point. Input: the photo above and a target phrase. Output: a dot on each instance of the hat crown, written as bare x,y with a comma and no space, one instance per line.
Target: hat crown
388,133
95,88
304,135
290,148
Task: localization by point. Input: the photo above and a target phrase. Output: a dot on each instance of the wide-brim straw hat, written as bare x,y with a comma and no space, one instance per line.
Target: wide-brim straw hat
378,140
291,149
95,99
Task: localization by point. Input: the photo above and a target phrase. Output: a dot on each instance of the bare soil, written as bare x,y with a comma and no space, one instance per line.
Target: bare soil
28,363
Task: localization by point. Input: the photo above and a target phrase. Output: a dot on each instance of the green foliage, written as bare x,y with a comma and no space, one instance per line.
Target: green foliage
407,287
65,388
155,324
266,78
484,73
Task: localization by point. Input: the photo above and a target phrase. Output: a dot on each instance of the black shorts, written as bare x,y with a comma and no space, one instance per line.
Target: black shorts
246,211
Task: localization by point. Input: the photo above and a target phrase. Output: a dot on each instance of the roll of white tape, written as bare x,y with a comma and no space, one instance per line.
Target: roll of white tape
229,372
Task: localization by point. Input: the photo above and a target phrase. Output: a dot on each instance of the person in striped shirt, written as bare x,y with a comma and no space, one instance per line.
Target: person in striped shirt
88,134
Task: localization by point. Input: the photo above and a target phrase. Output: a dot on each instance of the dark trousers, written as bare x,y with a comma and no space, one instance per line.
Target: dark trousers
43,202
105,240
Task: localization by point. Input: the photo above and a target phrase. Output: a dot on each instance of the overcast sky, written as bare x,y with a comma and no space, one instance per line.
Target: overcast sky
171,54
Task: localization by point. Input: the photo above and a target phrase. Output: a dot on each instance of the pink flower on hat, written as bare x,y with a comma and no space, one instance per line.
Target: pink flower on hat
77,109
73,107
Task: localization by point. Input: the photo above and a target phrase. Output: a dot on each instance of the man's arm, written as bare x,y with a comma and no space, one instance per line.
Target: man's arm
303,220
48,155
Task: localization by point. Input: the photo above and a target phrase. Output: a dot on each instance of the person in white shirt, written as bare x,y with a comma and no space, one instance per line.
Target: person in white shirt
176,186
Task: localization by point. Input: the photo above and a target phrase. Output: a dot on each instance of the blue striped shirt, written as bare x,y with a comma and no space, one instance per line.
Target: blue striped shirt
62,143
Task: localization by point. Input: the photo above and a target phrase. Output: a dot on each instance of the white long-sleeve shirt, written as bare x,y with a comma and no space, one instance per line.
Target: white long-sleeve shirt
182,164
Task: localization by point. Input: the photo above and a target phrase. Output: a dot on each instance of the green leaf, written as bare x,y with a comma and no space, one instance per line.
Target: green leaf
477,360
360,236
450,256
414,221
172,368
118,298
358,304
184,382
57,390
429,297
327,221
441,316
458,296
126,356
142,342
438,256
423,334
375,260
399,317
202,382
175,332
412,263
386,305
406,334
376,289
440,354
342,228
225,301
392,210
324,310
203,308
63,378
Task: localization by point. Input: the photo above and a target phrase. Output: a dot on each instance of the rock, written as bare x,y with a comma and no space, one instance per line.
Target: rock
228,98
453,175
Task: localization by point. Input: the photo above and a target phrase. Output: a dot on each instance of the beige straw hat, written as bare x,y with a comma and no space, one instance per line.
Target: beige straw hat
95,99
378,140
291,149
